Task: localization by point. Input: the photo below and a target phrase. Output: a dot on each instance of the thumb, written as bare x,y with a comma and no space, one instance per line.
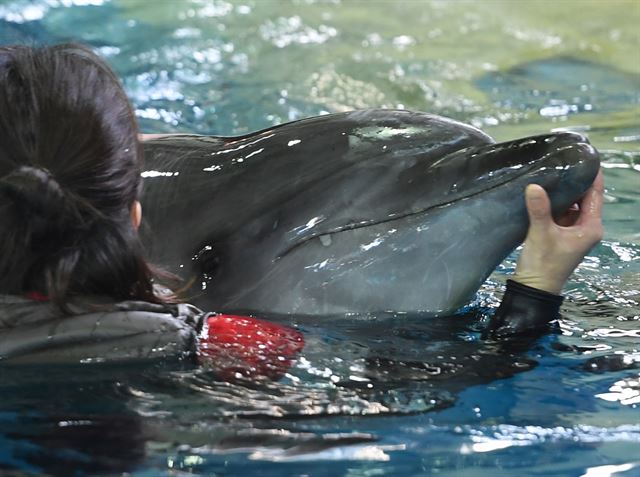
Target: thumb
538,206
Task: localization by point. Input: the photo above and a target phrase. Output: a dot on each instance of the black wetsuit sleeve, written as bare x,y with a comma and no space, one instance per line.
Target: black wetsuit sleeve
524,312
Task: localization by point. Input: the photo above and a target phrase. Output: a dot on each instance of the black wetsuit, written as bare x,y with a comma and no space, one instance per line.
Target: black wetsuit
524,311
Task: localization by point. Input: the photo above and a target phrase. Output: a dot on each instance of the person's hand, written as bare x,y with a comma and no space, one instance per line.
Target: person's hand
552,250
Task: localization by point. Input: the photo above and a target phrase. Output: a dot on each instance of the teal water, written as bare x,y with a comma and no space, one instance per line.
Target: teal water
567,407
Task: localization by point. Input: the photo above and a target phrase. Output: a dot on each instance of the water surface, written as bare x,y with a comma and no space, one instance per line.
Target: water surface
568,406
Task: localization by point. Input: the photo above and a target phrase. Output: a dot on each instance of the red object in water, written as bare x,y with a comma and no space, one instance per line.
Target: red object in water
241,347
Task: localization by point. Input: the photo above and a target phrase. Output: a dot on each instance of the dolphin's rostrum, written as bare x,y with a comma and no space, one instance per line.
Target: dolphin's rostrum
366,211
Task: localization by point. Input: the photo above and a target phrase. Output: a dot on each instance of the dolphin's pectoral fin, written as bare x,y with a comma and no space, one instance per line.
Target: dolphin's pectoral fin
387,369
481,366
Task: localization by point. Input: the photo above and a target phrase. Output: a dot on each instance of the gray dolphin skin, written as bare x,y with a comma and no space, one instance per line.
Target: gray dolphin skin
357,212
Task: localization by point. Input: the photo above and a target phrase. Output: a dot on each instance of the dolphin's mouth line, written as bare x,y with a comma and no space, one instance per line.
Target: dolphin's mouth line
360,225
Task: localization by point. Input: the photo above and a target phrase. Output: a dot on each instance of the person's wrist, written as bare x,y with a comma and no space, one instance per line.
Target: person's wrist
539,282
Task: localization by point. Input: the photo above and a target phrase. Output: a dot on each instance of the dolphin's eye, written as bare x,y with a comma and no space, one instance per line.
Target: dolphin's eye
207,261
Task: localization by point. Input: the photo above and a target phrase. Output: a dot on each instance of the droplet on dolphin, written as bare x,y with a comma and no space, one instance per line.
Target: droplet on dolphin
325,240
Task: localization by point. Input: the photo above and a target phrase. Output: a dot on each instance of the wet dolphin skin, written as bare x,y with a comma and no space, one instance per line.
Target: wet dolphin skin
356,212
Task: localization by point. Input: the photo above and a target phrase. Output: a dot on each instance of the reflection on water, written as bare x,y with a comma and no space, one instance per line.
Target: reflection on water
502,436
373,395
626,391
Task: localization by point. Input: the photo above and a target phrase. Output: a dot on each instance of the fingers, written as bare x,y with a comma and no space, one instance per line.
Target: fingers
597,195
590,220
538,206
592,202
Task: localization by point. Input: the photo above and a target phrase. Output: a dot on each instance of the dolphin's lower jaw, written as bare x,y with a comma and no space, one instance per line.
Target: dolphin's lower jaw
430,262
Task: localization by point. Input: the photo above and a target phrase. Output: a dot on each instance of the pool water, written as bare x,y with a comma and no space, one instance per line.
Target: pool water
443,401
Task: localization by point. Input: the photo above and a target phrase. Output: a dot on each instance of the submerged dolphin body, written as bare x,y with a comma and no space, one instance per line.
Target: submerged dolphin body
363,211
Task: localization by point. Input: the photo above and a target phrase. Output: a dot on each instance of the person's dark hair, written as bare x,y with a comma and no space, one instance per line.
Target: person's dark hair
70,164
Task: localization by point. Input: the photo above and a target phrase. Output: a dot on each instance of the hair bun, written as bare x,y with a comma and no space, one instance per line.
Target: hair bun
34,191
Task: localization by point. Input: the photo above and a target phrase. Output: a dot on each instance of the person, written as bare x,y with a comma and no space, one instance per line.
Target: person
71,259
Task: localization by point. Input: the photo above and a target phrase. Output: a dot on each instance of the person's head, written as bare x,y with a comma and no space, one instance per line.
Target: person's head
70,164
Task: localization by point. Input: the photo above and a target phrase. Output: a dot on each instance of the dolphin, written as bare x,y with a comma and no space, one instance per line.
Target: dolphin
358,212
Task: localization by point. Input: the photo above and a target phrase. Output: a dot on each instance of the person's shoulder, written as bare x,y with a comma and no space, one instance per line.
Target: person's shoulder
95,329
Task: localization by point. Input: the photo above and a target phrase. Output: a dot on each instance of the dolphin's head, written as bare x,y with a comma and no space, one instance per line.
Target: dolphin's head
411,216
